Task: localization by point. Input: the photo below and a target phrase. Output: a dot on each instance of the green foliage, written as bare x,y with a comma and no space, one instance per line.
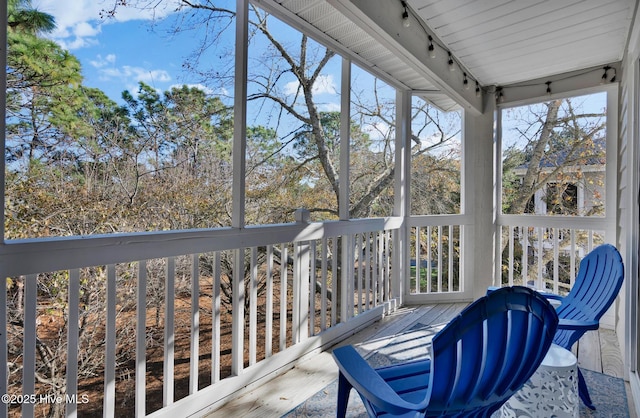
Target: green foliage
514,158
21,17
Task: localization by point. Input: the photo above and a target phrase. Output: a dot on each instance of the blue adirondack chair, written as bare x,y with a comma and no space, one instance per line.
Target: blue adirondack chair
596,287
477,362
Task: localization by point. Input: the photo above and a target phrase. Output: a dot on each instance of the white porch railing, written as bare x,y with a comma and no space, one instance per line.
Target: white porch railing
174,322
436,255
545,251
167,322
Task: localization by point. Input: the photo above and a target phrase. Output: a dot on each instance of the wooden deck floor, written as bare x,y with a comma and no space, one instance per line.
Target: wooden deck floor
597,351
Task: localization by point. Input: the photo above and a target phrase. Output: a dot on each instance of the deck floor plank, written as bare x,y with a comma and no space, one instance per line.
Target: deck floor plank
446,313
589,356
612,363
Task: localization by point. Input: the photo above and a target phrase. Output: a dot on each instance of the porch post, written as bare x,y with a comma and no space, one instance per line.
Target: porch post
239,155
478,199
346,257
345,139
402,201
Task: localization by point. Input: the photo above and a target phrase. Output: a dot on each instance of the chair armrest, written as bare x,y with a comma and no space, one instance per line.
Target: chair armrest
572,324
369,384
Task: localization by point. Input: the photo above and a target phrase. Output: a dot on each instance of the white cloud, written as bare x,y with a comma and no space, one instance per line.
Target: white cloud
84,29
128,72
101,61
377,131
76,43
291,88
323,85
79,21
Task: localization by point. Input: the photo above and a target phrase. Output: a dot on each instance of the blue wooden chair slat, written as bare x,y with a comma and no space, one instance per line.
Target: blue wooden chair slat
477,361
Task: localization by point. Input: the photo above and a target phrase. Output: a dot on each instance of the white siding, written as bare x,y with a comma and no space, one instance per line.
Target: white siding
628,211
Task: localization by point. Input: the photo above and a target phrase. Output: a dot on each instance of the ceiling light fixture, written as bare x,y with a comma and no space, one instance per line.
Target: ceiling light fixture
605,76
451,66
405,16
431,48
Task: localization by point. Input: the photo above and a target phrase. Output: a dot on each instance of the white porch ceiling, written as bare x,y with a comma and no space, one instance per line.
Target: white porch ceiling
497,42
508,41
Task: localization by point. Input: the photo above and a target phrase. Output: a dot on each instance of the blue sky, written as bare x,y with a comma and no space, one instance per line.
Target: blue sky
117,53
136,45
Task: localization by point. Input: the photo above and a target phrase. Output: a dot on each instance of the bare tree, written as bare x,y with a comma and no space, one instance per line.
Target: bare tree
284,76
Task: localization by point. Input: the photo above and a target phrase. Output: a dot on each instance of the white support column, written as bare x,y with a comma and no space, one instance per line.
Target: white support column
345,139
343,201
239,156
480,170
240,113
402,193
496,195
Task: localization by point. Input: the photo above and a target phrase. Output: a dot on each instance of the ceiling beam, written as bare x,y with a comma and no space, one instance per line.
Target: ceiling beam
573,83
383,20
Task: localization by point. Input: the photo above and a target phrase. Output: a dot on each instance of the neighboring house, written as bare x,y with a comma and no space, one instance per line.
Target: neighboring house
579,190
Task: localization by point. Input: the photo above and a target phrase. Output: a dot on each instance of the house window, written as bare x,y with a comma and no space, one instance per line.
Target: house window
531,205
562,199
